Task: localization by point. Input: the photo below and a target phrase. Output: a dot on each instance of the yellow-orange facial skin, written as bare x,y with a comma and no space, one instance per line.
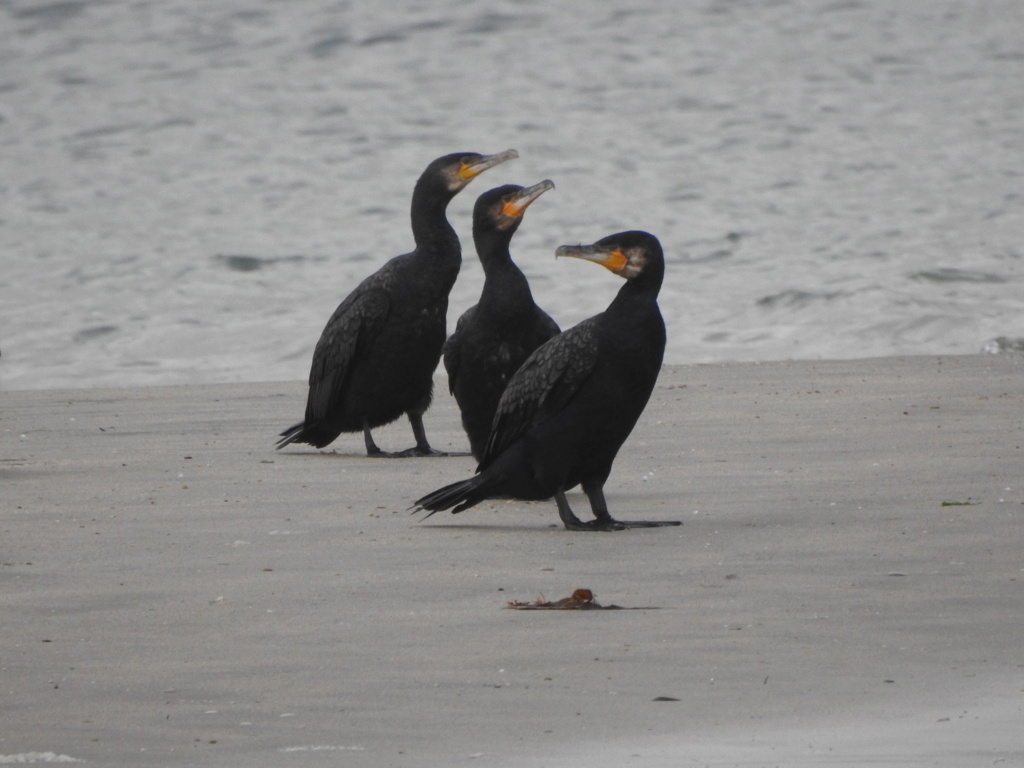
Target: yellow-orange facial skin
512,209
515,205
627,264
458,175
615,261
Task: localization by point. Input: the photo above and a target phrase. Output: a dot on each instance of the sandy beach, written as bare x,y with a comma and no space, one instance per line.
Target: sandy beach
846,588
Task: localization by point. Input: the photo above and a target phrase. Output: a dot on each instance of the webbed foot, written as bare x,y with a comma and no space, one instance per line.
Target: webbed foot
602,520
593,525
417,451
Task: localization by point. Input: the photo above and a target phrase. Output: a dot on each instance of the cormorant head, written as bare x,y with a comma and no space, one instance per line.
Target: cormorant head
502,208
457,170
627,254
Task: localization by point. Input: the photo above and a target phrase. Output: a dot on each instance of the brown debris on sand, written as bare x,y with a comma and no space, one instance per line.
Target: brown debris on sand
580,600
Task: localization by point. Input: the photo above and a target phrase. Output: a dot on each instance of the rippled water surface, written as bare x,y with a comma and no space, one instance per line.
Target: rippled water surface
187,189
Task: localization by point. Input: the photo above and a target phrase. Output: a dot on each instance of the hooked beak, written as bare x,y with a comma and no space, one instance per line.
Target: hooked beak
470,170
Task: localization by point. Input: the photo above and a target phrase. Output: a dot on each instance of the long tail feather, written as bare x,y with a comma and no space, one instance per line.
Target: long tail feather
290,435
464,493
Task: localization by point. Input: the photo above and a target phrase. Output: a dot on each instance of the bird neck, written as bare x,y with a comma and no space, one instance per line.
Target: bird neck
635,307
431,230
505,285
635,340
635,293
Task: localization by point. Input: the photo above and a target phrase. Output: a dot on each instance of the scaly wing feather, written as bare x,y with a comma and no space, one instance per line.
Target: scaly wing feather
542,386
452,353
354,324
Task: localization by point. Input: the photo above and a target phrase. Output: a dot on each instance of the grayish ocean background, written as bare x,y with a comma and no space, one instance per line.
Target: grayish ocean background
188,189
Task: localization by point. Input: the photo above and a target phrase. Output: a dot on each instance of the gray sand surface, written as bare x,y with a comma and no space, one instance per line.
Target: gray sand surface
847,587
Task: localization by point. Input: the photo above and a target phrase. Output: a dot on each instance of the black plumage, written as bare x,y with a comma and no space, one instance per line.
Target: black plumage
377,354
572,404
496,335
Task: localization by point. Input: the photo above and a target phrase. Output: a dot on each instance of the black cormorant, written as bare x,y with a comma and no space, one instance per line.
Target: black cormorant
376,357
496,335
573,403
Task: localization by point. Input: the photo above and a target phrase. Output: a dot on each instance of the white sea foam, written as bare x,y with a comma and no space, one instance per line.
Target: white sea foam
36,757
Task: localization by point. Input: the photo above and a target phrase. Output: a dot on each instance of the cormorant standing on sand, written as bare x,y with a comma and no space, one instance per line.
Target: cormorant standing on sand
376,357
495,336
573,403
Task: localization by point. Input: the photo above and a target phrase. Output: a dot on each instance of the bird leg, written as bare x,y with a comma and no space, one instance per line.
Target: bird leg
604,520
422,447
371,447
573,523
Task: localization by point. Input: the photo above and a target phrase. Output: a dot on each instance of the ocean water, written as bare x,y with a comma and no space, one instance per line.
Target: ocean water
188,189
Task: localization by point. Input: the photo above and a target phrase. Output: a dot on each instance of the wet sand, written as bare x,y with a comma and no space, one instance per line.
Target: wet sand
845,589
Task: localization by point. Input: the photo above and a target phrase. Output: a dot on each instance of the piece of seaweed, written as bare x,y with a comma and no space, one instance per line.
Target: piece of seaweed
579,600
